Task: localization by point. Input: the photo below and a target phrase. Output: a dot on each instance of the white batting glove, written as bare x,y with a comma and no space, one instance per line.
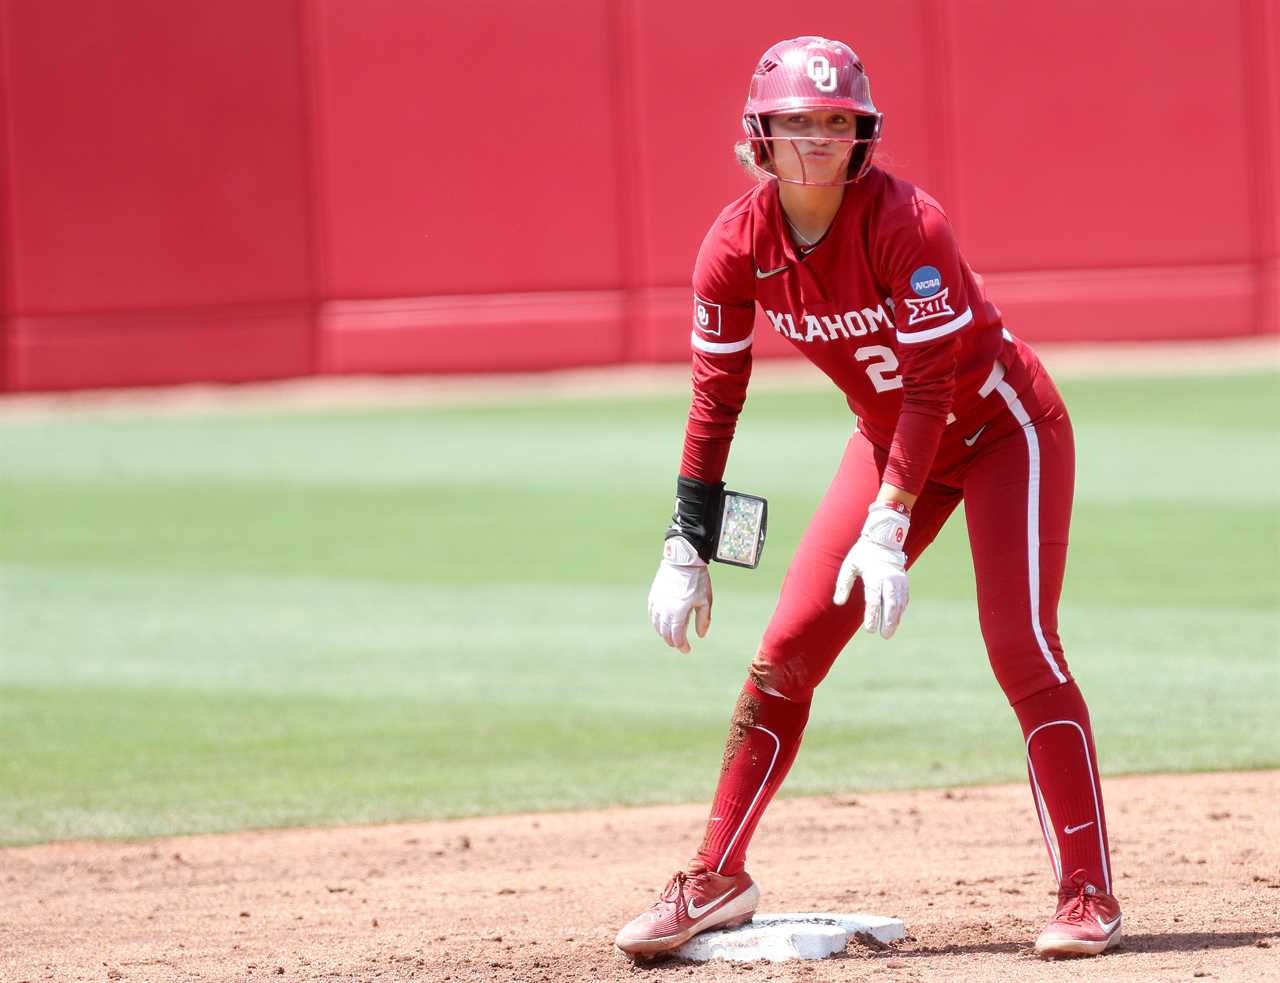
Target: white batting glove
877,558
681,586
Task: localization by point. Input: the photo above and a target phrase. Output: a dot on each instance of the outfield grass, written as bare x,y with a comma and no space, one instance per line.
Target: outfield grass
211,623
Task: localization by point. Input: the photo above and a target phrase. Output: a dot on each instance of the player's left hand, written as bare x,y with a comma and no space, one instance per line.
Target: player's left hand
877,558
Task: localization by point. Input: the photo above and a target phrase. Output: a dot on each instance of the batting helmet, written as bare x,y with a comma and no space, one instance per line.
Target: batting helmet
812,73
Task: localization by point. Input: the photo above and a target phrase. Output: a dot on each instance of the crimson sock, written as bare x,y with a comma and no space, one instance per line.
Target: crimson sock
1062,766
764,737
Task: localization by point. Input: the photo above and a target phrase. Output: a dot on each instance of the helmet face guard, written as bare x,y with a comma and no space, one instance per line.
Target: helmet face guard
857,151
807,74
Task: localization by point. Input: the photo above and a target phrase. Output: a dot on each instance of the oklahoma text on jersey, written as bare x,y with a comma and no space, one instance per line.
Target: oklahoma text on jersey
850,324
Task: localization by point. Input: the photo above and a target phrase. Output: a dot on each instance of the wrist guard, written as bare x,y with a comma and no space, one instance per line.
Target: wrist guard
697,514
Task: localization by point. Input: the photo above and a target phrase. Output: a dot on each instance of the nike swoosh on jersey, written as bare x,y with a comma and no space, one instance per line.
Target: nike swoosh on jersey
697,912
764,275
970,441
1075,829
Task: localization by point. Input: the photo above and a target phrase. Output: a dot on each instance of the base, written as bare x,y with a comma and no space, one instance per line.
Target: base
797,935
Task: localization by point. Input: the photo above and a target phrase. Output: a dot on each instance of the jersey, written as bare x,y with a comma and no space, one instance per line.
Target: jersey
883,304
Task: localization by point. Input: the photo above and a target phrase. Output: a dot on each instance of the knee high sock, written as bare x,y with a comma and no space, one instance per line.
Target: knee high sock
1062,766
764,736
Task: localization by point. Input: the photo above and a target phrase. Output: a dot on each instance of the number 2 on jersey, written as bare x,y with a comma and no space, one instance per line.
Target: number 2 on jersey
880,371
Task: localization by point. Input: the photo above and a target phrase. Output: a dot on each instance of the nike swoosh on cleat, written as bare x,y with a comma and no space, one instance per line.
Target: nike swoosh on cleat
697,912
1110,926
763,275
970,441
1075,829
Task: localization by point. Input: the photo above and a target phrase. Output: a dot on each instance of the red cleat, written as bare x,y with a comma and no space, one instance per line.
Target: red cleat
1087,922
692,902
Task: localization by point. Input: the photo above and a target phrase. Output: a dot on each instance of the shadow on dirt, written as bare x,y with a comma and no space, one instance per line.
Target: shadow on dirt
1197,941
1151,942
959,949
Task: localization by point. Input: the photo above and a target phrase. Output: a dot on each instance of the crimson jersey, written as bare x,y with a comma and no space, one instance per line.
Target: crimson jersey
884,304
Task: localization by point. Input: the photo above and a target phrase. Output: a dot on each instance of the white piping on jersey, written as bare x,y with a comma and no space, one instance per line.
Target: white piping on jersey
997,374
720,348
955,324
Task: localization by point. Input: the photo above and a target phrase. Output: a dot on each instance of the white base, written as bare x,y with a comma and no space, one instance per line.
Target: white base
795,935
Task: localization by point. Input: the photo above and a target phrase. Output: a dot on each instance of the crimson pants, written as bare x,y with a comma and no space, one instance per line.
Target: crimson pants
1016,481
1016,484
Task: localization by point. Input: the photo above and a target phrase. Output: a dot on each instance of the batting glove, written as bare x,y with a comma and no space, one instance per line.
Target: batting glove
681,586
877,558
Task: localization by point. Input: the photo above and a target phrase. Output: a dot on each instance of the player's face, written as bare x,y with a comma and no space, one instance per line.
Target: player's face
815,147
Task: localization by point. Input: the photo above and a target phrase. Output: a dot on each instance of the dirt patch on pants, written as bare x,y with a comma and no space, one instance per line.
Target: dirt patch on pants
539,898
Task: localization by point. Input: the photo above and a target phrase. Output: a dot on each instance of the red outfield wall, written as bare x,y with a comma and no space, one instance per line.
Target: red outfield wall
260,188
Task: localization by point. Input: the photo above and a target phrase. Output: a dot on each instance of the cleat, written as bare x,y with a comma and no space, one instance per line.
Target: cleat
693,901
1087,922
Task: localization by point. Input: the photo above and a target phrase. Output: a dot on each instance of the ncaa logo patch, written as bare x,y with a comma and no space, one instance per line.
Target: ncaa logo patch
924,308
706,316
926,281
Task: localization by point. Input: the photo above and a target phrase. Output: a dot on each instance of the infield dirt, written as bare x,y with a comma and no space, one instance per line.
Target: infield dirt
538,898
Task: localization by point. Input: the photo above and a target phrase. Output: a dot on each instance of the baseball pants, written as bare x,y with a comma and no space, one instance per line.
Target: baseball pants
1016,483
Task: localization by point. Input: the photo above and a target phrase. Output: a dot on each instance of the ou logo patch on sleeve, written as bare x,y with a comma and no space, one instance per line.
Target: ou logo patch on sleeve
706,316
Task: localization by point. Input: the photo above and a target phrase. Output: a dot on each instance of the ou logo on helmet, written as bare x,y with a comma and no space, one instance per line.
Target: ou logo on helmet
823,73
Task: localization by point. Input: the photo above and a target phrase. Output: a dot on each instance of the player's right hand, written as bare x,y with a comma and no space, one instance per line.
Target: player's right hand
682,586
877,558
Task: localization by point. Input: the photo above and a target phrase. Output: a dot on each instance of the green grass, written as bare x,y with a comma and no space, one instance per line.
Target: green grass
212,623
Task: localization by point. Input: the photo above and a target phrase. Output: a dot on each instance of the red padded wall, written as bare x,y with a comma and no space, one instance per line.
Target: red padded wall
466,155
154,153
257,188
473,153
1263,57
1129,151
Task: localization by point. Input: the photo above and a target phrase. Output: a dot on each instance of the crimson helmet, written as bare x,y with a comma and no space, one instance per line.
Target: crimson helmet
812,73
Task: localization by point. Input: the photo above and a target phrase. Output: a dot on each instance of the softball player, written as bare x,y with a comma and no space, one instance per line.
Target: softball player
860,271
